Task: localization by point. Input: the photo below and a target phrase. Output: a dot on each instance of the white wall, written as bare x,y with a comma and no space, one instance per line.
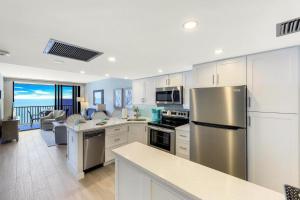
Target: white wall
108,85
8,97
1,100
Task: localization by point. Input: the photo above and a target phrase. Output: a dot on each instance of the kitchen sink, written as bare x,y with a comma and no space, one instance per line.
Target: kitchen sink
136,120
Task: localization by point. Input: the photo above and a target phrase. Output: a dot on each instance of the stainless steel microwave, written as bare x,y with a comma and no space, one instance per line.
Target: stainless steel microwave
169,95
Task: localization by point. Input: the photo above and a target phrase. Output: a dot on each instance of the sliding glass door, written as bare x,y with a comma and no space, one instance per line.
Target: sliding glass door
67,99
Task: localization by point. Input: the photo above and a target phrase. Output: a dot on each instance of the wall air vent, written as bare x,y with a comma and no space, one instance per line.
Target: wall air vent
66,50
288,27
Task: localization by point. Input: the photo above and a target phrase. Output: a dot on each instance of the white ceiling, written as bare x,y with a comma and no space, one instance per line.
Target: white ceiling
144,36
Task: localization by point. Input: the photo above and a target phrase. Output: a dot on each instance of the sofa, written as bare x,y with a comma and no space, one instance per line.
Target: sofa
55,115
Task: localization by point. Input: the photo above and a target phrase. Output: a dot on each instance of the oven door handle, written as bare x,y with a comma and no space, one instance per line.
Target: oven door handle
172,95
161,129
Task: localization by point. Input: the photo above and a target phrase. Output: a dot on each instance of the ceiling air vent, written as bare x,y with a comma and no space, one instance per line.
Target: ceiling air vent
66,50
288,27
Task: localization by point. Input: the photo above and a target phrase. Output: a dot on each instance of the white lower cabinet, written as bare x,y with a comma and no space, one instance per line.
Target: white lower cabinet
115,137
120,135
137,133
134,184
183,142
273,153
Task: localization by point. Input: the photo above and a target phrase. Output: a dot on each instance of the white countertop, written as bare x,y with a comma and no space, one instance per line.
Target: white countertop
90,125
192,179
185,127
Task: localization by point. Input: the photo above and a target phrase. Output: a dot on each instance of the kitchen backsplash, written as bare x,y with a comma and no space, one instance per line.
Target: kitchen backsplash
146,110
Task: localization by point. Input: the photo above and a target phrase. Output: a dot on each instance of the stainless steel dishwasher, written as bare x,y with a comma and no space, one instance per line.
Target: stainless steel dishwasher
93,149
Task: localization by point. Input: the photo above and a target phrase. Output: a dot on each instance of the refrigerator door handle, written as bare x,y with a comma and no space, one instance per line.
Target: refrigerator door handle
249,102
216,125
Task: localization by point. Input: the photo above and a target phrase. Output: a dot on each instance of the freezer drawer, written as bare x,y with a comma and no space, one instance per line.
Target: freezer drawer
220,148
93,149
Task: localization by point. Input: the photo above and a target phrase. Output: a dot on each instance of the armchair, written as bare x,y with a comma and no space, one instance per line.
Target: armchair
56,115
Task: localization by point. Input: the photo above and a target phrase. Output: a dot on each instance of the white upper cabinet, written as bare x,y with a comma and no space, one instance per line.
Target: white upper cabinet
188,84
162,81
176,79
143,91
204,75
272,80
169,80
231,72
273,154
149,91
138,91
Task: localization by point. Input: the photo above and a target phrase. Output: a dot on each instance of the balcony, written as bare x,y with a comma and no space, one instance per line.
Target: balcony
30,115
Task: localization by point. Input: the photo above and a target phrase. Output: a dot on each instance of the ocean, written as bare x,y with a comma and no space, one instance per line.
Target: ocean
39,102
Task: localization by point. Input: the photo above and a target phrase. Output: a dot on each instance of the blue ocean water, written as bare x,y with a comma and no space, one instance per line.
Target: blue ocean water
33,102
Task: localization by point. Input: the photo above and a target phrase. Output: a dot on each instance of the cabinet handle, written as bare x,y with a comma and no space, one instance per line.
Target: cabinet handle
166,81
182,148
117,129
249,121
183,136
213,79
249,102
217,79
117,139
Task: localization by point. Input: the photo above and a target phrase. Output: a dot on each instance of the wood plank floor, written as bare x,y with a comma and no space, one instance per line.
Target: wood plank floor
29,170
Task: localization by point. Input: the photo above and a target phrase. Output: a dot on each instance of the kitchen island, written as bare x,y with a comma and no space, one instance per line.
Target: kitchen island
118,132
143,172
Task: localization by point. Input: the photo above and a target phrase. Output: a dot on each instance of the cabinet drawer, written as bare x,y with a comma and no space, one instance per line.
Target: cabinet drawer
109,155
115,139
182,147
116,129
183,135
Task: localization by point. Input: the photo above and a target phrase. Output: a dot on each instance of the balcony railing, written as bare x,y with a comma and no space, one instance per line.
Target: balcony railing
24,112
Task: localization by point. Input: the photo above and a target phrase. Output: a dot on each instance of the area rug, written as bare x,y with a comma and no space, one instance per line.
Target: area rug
48,137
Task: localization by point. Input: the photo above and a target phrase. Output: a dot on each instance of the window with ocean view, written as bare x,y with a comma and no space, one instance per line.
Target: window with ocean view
34,101
31,102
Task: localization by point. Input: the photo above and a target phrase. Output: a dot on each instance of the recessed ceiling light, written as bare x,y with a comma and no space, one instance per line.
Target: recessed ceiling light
82,72
189,25
111,59
4,53
160,71
218,51
125,77
107,75
58,61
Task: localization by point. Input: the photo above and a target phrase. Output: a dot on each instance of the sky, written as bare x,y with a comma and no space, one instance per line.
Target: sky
38,92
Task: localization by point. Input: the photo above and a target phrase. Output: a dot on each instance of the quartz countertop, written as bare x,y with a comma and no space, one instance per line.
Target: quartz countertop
192,179
91,125
185,127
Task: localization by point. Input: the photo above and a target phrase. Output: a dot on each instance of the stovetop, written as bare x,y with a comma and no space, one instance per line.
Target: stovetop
163,125
170,123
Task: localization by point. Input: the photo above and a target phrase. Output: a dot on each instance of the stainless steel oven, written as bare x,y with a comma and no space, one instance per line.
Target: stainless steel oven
162,138
169,95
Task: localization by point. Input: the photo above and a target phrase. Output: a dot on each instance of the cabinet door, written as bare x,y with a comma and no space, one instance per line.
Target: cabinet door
272,80
138,91
150,91
137,133
162,81
188,84
175,79
273,154
161,192
204,75
232,72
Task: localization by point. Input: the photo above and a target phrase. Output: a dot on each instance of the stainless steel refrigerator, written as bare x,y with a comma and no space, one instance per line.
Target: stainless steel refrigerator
219,129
